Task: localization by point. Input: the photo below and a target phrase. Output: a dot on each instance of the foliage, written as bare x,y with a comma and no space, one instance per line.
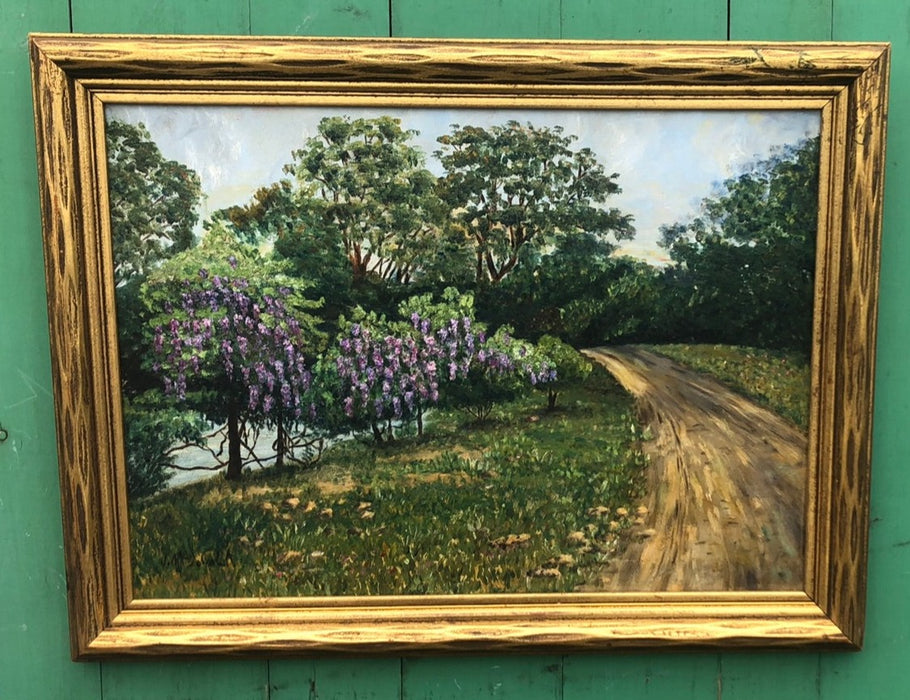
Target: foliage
395,371
133,339
502,369
150,432
366,185
571,367
272,213
522,506
745,267
776,379
515,186
234,344
386,377
437,310
153,201
249,342
276,215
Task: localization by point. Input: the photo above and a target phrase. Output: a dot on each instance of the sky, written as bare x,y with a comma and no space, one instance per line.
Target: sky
667,160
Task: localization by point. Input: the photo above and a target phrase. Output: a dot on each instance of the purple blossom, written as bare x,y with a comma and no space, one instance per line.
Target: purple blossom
398,375
224,332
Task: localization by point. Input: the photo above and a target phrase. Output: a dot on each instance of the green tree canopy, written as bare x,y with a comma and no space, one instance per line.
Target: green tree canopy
745,267
153,201
365,183
276,215
515,186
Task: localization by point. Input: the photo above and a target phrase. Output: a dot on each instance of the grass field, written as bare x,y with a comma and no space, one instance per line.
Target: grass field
530,501
778,380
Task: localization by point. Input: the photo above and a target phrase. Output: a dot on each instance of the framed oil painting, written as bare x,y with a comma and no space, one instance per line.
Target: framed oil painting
401,346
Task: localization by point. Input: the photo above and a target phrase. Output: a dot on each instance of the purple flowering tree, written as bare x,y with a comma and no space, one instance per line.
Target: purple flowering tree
234,347
391,372
389,376
502,368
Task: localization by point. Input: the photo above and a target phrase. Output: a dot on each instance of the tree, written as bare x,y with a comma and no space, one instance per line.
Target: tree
276,215
579,290
571,367
515,186
153,201
386,376
368,186
396,370
273,212
231,336
747,263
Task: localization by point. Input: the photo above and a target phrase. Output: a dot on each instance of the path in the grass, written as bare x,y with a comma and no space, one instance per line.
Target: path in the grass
726,485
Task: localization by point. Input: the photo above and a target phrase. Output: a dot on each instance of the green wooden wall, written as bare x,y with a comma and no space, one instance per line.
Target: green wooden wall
34,656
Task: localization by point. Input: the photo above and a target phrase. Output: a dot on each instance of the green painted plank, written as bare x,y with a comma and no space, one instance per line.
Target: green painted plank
34,636
782,676
503,19
330,678
645,676
29,480
646,19
642,676
780,20
194,679
320,18
292,678
336,679
528,678
881,670
162,16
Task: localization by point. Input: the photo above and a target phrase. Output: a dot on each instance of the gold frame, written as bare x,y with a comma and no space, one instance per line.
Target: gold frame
74,75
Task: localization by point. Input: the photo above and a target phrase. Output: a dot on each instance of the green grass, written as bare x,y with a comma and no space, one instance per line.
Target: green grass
531,501
778,380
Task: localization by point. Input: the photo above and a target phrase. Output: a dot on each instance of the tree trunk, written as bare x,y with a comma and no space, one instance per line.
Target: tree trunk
551,399
234,464
419,421
377,433
281,444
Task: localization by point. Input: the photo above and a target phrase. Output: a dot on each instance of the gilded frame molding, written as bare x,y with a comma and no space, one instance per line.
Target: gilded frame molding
74,75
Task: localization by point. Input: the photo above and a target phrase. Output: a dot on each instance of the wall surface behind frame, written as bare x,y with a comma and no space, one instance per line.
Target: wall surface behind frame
34,656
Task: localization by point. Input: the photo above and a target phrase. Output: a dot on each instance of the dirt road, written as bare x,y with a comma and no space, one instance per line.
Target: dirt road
726,485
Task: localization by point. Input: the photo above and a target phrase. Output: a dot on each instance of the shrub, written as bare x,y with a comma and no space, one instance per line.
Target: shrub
570,365
150,434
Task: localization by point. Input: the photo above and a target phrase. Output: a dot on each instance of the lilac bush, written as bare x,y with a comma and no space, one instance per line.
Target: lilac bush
398,375
504,368
246,345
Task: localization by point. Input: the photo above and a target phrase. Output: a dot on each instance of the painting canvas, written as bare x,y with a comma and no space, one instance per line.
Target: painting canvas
433,351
